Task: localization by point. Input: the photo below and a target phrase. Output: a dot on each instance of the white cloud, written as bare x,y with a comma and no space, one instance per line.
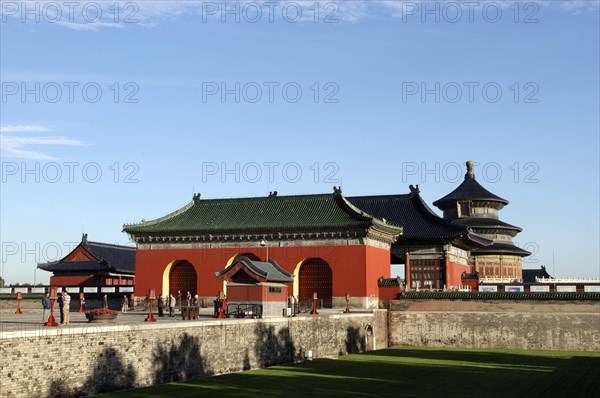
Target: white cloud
17,146
89,26
22,128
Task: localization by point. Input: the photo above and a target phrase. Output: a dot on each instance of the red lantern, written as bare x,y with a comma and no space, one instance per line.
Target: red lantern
53,298
151,298
81,301
314,310
19,297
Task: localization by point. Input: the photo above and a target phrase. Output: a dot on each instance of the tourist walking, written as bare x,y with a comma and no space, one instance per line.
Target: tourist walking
46,305
161,306
172,302
124,304
66,308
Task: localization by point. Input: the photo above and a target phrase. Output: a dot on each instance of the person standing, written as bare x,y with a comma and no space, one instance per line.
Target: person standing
179,298
60,307
189,298
124,304
105,301
172,302
66,307
161,306
46,305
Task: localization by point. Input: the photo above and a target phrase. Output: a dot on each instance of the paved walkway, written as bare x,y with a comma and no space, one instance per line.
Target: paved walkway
30,322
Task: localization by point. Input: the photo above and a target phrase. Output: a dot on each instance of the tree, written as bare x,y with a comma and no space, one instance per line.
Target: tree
2,282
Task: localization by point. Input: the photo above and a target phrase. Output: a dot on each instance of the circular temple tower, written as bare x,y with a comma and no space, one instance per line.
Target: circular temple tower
473,206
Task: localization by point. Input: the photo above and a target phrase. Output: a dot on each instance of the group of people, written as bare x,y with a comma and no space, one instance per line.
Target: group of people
64,304
169,301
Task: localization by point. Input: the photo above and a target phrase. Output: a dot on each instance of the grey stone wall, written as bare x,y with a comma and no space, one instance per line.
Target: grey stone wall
86,360
524,330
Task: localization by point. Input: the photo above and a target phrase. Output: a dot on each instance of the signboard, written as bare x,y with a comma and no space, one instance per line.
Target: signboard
513,289
126,289
107,289
90,290
539,288
38,290
591,289
5,289
21,289
491,288
566,288
73,290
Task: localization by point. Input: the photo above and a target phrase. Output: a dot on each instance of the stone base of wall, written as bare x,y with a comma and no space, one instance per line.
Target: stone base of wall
541,331
88,360
507,306
356,302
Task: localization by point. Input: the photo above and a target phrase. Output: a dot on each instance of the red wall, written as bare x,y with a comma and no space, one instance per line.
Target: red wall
378,265
355,268
255,293
454,272
75,281
389,292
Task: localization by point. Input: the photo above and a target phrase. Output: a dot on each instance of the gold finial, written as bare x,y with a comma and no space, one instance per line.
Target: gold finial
469,169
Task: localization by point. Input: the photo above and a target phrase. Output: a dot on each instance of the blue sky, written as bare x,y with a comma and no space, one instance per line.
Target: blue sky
106,122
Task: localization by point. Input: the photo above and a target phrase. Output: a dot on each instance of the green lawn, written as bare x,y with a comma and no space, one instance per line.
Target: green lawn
407,372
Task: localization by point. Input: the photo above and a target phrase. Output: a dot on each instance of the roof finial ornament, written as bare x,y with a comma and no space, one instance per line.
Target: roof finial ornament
337,191
84,238
273,194
414,189
196,198
470,173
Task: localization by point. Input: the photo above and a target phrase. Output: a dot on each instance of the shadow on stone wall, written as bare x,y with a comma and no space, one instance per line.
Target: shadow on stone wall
274,348
355,340
179,360
246,365
108,374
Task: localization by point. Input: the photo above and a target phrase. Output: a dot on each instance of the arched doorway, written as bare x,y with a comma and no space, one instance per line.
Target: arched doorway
183,277
315,276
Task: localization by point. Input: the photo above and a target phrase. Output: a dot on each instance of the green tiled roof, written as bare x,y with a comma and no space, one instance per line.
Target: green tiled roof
263,214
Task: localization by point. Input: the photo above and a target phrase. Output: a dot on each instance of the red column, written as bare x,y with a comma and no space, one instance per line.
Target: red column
407,275
447,271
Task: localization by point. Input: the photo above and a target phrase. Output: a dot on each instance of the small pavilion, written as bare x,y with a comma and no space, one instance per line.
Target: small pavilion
262,283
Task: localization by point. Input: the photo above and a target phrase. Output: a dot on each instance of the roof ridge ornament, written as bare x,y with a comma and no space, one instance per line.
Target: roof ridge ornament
470,173
196,198
83,238
273,194
414,189
336,190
